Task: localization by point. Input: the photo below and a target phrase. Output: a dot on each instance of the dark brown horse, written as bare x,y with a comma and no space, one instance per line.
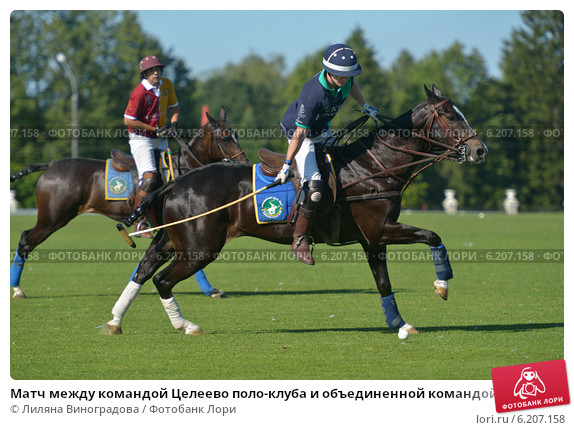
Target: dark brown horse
70,187
370,172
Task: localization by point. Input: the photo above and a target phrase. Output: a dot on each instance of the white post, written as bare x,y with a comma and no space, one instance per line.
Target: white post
61,58
450,203
511,203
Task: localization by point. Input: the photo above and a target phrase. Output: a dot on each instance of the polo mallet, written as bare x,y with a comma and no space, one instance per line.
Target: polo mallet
129,240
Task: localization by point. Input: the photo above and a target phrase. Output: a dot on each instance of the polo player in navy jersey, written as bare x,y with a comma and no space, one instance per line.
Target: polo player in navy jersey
307,122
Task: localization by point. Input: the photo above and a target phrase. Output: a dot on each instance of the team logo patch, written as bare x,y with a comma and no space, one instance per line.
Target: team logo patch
272,207
117,185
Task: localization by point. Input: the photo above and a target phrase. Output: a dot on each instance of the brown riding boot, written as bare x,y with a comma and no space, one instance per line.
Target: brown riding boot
149,183
301,240
142,223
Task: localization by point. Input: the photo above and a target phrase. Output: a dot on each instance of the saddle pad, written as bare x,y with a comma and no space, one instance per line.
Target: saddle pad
271,205
119,185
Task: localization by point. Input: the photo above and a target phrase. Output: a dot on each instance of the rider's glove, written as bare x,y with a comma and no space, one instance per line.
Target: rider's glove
163,131
371,111
285,173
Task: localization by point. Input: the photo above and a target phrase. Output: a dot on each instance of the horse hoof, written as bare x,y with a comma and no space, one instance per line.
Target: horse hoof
114,328
194,331
441,288
217,294
410,329
19,295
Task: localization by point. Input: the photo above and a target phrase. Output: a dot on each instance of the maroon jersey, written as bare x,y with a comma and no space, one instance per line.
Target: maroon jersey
149,105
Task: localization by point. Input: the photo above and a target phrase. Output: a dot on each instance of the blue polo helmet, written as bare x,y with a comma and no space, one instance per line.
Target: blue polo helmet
340,60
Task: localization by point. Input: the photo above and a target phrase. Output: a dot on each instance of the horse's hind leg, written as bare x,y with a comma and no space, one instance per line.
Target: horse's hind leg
156,255
178,270
52,216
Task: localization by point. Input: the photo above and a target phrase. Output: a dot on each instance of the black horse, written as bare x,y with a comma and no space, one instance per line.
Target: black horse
370,174
70,187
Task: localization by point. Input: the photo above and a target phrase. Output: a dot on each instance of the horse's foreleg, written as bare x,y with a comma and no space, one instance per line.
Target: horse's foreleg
397,233
152,261
378,264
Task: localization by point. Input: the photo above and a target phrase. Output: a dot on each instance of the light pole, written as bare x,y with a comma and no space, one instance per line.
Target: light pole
61,58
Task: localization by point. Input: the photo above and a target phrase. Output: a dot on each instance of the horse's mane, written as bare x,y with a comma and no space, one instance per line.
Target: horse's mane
402,122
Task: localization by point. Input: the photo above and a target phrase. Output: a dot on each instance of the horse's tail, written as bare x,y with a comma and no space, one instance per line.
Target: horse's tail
31,169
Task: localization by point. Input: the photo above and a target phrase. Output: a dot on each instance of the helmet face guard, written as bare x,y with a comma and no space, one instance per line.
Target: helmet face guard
149,62
341,60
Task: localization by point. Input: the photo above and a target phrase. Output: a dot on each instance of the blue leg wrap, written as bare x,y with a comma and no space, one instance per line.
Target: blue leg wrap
204,284
441,262
134,273
16,270
392,315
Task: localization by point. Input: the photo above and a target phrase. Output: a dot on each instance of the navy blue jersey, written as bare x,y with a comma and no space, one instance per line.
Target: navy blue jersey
315,107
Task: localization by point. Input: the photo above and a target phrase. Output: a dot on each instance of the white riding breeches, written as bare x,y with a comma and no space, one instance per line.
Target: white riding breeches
142,149
306,160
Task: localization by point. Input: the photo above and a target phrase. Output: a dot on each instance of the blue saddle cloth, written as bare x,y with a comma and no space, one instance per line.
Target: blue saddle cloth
119,185
271,205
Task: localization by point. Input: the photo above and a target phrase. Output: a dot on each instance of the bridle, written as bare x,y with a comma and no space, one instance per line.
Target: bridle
216,133
455,148
457,145
221,153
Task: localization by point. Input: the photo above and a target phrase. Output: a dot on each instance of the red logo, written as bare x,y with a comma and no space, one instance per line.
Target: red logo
529,386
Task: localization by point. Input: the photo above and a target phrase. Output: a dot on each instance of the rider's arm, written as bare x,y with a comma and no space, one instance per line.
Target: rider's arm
138,125
357,94
174,112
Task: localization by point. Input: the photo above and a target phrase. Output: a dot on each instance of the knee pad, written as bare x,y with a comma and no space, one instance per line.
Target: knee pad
315,189
310,198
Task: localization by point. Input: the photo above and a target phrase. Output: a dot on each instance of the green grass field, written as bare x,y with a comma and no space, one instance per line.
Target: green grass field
290,321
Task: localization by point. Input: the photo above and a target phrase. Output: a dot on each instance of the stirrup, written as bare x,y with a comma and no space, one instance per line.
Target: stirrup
311,242
302,255
143,225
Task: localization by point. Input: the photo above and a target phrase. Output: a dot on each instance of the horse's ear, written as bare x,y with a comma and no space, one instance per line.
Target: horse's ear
210,119
437,92
429,93
223,114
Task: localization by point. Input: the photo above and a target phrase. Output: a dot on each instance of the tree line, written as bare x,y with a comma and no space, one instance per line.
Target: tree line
520,115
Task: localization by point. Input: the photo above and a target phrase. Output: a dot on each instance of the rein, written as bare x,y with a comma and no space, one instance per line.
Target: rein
454,151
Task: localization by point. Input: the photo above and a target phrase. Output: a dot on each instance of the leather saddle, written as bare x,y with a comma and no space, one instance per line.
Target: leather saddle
124,162
121,161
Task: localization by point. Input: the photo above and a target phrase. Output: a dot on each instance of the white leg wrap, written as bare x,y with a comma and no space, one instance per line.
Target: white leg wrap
177,320
128,296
